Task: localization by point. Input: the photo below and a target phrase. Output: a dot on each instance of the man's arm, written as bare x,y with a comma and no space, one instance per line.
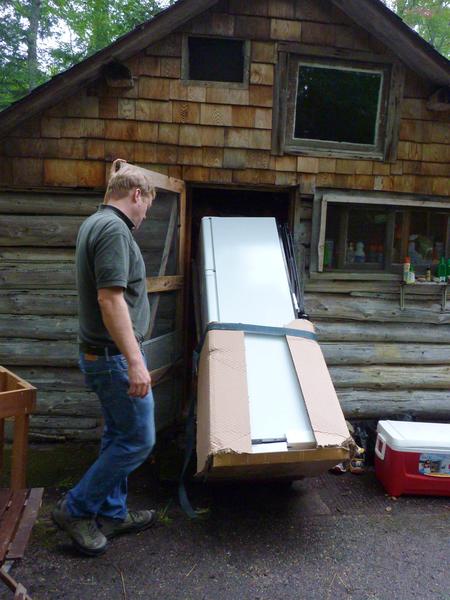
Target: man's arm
117,321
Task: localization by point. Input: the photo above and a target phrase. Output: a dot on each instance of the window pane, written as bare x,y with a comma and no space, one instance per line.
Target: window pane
426,240
397,251
216,59
366,235
337,104
331,249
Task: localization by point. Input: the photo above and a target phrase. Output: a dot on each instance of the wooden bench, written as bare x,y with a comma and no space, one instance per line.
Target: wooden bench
18,506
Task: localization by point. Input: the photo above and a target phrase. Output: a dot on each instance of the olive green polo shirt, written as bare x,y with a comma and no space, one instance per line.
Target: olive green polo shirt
107,255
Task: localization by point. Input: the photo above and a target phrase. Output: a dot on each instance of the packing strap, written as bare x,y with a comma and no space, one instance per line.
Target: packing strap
258,329
190,421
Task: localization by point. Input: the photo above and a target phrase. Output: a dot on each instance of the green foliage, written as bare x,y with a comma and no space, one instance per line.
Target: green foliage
19,73
430,18
64,32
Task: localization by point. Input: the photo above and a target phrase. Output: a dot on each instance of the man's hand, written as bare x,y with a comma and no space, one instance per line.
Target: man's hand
140,380
117,321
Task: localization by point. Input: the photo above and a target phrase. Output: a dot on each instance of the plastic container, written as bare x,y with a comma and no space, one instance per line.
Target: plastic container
406,268
413,458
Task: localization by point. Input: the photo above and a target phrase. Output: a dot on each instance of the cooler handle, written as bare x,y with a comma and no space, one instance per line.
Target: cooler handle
380,446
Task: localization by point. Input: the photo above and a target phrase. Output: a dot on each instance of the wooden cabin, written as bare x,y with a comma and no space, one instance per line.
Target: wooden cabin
331,115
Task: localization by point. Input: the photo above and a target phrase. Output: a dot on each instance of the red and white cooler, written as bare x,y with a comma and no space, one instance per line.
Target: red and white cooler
413,458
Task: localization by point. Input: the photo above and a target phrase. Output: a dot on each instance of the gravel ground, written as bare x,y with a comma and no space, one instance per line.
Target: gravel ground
324,538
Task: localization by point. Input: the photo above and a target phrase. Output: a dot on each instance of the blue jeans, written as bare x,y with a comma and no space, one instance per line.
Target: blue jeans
128,439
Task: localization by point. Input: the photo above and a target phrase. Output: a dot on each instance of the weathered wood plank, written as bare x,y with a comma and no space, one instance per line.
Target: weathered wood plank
355,309
68,403
51,434
38,255
64,353
48,203
51,379
388,377
329,331
20,230
39,231
364,353
62,422
346,287
38,352
383,404
37,327
37,275
166,283
34,303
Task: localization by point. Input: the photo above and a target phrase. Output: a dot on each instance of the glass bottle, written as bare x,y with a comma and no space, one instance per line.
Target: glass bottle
351,253
442,270
406,268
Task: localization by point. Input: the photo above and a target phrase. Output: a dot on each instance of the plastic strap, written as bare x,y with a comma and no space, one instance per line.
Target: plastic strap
190,444
258,329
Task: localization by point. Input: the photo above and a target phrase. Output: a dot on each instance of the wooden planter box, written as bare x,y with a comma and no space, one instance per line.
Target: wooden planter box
17,401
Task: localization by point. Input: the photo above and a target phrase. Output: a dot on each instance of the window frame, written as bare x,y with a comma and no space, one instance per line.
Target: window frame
351,198
227,84
290,56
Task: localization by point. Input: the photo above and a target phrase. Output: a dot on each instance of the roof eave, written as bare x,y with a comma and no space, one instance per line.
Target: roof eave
412,49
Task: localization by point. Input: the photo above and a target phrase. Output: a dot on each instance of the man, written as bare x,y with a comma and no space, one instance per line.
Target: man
114,317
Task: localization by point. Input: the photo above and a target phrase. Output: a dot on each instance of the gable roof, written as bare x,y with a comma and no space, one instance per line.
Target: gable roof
372,15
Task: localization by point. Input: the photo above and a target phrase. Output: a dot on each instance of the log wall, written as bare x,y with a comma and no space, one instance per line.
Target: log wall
38,307
384,361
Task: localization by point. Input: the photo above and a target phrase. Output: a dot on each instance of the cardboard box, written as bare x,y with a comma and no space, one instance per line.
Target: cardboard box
224,441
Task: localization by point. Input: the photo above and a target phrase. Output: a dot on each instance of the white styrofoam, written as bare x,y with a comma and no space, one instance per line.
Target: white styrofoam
275,396
410,436
243,279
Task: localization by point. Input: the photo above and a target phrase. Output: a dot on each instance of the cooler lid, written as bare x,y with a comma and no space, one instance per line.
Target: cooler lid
411,436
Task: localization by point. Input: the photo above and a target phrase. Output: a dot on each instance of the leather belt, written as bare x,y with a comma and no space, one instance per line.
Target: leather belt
99,350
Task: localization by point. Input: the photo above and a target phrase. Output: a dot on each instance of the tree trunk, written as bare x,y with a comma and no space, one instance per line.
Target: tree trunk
32,35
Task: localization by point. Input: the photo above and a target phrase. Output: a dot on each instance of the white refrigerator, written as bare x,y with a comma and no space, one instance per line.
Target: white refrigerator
243,279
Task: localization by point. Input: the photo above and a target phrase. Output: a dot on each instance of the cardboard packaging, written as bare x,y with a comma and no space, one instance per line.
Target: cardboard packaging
224,440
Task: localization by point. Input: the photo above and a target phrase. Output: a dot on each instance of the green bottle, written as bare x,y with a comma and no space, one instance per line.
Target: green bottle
442,270
448,270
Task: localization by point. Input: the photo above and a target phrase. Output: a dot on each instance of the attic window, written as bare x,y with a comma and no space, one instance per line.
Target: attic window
337,104
338,107
208,59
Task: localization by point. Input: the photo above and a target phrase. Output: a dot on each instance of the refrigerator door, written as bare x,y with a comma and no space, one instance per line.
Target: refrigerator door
245,258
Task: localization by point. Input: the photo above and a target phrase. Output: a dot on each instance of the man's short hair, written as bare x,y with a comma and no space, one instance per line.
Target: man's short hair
124,177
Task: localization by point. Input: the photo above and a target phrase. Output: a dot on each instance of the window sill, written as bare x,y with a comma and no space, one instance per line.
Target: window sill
333,152
216,84
354,275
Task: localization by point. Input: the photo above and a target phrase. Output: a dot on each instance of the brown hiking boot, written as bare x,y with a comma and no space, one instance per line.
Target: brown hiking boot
83,531
134,522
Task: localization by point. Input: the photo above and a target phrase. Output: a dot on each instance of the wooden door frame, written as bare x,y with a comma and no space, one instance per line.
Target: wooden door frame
293,212
170,283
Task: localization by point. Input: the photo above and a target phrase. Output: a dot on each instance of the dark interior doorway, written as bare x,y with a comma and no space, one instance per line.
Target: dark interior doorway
211,202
